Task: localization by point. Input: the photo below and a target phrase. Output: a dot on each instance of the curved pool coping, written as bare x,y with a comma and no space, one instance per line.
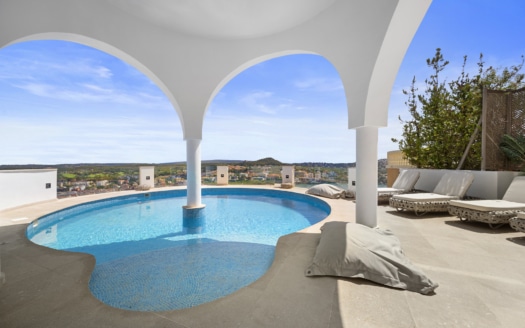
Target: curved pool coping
65,276
44,222
178,193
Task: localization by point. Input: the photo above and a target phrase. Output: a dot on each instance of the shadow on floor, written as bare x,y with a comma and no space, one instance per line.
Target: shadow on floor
518,240
479,227
412,215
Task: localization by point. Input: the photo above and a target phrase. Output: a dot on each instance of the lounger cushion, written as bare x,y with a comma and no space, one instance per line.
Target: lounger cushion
521,215
424,197
406,180
327,190
356,251
516,191
454,184
384,190
488,205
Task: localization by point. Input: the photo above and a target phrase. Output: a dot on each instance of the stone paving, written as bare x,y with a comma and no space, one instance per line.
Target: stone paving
481,273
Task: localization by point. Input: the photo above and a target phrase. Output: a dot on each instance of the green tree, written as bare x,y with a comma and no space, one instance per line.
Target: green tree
445,116
68,176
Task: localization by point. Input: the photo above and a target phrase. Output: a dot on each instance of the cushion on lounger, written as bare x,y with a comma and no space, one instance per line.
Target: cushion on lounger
454,184
406,180
425,197
516,191
385,190
488,205
327,190
356,251
521,215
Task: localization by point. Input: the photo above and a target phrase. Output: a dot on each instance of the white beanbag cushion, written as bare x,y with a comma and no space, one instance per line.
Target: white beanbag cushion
356,251
327,190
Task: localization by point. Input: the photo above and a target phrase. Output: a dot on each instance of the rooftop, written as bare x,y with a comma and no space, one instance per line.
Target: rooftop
479,270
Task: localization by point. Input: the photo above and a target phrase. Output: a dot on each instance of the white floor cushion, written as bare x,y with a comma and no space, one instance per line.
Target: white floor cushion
357,251
327,190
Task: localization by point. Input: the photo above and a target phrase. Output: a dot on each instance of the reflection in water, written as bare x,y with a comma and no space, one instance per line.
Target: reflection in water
194,226
288,203
47,236
193,220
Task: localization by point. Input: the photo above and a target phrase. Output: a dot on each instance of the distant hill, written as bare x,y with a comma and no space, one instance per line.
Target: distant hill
263,161
323,164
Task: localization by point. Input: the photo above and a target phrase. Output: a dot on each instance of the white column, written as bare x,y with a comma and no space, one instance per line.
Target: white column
193,162
366,171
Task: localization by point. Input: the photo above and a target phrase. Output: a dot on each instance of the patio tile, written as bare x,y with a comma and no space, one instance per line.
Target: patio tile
480,273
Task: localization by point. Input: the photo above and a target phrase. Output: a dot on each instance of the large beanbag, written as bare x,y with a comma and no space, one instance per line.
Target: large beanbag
357,251
327,190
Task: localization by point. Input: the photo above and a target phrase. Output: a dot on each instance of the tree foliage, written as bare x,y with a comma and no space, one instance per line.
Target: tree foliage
445,115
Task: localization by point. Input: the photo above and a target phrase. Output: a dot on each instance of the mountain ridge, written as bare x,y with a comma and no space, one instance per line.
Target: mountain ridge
262,161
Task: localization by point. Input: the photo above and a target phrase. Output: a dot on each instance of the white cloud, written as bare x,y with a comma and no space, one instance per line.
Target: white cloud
90,139
84,93
103,72
256,101
96,88
319,84
255,97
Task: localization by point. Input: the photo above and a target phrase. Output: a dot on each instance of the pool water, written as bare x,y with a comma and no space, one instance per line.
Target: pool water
149,259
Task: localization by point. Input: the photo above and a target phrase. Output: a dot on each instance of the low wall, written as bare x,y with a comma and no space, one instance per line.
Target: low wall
21,187
486,184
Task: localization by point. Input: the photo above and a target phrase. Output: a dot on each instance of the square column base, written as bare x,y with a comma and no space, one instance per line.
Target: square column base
193,219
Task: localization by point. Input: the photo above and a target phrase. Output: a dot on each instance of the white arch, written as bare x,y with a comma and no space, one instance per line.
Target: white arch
109,49
259,60
249,64
364,40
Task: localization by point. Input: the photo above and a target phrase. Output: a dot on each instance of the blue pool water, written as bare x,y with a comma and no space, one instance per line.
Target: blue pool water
149,259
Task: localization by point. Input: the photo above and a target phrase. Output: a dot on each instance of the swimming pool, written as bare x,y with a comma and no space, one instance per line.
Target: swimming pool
148,258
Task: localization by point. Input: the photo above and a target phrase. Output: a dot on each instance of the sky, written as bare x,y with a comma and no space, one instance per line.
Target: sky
62,102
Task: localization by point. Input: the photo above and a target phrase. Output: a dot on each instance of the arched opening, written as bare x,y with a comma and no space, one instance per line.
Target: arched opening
65,102
291,107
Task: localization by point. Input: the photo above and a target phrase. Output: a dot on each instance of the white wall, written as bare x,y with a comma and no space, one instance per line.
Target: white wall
486,184
288,174
351,178
147,176
21,187
490,184
222,175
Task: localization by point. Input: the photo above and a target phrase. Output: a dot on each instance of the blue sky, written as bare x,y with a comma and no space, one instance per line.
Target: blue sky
62,102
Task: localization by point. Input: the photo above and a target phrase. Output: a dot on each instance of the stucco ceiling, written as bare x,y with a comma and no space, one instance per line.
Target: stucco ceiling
225,19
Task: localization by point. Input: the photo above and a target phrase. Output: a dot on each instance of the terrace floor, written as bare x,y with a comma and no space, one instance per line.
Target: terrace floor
481,273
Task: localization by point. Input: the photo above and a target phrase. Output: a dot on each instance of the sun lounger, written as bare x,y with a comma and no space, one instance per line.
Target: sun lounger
494,212
404,183
452,185
518,223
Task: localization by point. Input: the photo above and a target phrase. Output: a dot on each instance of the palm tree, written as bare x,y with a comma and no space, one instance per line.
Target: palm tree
514,149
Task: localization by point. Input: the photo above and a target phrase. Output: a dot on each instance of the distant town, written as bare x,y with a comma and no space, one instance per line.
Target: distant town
83,179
